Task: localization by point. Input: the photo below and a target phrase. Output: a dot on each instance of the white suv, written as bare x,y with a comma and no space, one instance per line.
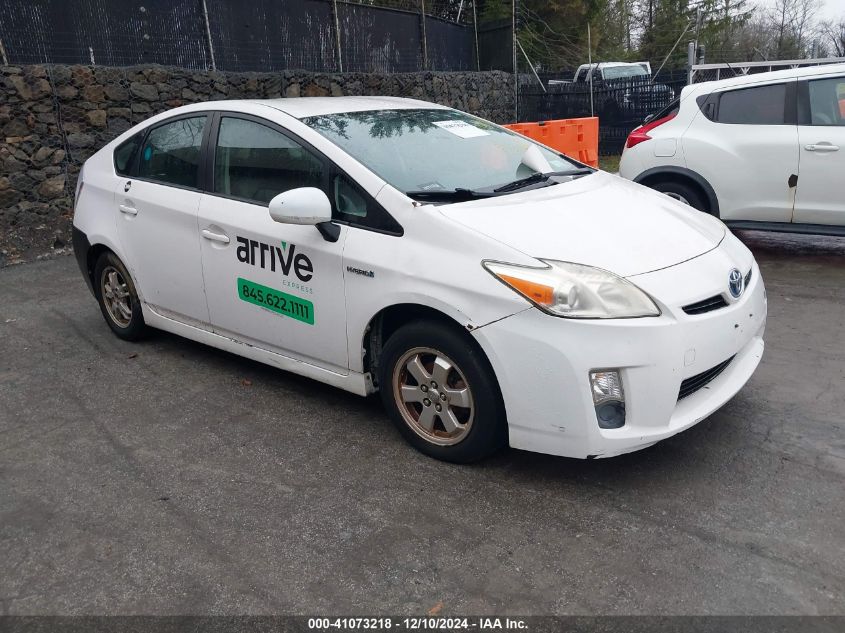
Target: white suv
761,151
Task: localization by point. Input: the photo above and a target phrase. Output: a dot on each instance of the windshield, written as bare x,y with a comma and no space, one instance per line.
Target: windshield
620,72
437,150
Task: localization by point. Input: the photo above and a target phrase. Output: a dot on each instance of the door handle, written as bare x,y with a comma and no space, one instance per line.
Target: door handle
215,237
822,147
128,209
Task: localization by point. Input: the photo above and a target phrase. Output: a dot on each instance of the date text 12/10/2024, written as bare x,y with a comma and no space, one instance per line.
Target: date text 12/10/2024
418,624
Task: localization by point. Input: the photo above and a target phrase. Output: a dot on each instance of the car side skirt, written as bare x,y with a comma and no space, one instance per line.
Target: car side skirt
354,382
788,227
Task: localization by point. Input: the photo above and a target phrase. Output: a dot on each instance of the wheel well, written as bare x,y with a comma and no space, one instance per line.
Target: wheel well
91,258
382,326
681,179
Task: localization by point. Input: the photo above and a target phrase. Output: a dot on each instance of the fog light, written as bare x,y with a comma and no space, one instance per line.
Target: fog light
608,398
611,415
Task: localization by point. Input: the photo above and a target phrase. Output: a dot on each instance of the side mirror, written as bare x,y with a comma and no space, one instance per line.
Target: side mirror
305,205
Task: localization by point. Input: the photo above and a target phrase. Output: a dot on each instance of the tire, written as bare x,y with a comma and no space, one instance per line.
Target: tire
683,193
470,424
118,298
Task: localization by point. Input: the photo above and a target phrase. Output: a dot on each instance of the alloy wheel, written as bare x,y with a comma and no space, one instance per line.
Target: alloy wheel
433,396
677,197
116,296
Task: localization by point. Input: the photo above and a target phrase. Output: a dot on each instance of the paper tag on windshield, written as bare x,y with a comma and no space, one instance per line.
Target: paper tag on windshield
461,128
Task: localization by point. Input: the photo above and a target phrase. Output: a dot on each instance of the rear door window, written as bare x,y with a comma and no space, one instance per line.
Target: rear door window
171,153
761,105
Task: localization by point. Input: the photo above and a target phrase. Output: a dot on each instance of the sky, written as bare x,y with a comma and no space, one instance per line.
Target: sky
829,10
832,9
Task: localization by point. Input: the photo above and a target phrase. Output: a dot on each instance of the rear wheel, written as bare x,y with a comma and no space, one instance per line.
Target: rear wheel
682,193
118,298
441,393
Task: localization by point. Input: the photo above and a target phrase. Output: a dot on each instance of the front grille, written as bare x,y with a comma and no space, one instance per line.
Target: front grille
715,302
706,305
694,383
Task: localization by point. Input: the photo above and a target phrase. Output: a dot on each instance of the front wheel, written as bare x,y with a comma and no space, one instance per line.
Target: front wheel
441,394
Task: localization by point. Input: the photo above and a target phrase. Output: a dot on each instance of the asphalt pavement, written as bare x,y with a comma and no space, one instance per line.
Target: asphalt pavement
170,478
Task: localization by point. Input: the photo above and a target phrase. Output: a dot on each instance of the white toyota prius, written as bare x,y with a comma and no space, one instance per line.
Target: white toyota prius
492,290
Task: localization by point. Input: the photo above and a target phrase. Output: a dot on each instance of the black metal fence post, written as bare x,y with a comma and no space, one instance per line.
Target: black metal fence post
424,41
337,36
208,34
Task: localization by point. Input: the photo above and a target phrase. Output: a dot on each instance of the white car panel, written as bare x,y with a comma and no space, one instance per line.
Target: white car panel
547,397
820,196
590,221
435,264
821,188
303,270
730,157
157,229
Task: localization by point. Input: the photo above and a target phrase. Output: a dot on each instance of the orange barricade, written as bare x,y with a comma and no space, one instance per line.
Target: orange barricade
577,138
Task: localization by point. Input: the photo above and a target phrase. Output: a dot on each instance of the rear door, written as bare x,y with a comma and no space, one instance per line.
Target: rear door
746,146
821,134
158,200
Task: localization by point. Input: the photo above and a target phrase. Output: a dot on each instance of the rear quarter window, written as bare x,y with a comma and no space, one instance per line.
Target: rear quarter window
761,105
124,155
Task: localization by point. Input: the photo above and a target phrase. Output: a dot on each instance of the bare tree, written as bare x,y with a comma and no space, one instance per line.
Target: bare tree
792,21
833,36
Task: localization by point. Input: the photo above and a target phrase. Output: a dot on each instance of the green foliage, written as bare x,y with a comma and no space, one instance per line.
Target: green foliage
666,21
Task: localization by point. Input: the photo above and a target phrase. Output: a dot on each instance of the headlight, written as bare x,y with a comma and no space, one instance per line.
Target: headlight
575,291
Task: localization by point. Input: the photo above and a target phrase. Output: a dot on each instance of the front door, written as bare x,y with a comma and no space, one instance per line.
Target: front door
275,286
821,133
157,222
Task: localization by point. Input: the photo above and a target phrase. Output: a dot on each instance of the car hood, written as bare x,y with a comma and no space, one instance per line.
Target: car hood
599,220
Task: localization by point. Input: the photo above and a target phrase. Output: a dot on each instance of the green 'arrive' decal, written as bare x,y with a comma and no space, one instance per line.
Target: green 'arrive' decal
276,300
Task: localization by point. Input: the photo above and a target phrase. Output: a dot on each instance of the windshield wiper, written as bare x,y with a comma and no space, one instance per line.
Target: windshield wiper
522,182
580,171
537,177
460,194
451,195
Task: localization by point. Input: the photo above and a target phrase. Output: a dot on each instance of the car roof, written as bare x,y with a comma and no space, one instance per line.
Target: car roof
301,107
611,64
789,73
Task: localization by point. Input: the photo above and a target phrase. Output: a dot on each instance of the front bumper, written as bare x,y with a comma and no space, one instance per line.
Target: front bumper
542,362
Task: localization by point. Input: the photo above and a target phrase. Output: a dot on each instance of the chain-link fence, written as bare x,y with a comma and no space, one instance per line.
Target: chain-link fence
259,35
713,72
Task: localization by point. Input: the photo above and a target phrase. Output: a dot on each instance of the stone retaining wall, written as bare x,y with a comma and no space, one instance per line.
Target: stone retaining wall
54,117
